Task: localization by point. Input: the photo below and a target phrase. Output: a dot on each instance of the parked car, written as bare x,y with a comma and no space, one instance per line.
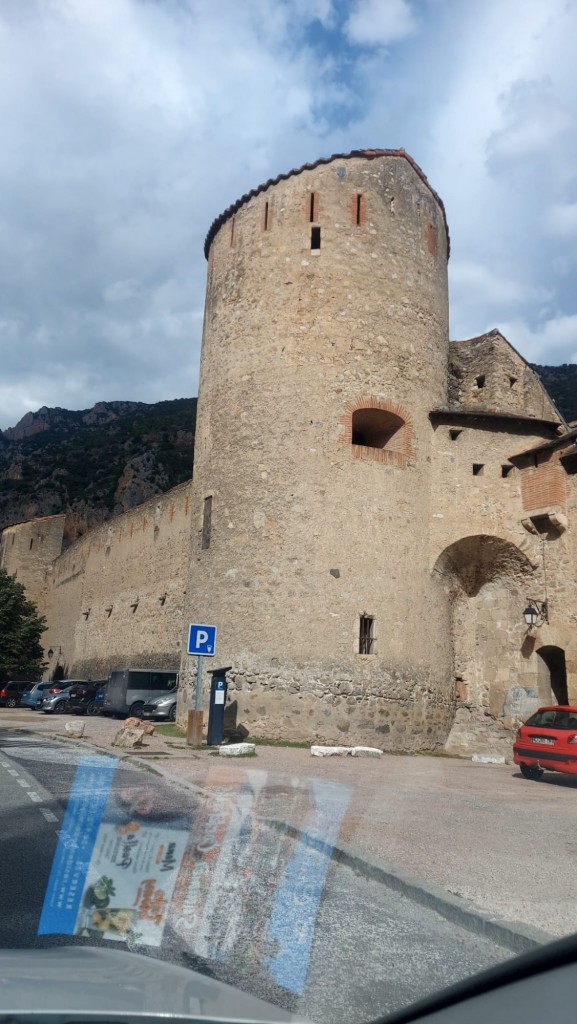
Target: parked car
161,707
35,692
99,699
54,701
547,742
82,697
11,692
129,689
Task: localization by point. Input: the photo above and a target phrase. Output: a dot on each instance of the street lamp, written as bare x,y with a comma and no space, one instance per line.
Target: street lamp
536,613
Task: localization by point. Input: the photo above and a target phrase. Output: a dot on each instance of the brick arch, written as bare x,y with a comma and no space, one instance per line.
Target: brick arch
398,449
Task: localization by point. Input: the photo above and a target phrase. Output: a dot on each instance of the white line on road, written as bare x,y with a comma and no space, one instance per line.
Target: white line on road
23,783
48,814
12,771
34,796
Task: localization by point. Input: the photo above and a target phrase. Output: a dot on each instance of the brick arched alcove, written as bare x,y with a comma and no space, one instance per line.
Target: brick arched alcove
378,430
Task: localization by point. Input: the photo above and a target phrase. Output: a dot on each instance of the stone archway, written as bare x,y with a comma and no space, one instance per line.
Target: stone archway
487,578
552,673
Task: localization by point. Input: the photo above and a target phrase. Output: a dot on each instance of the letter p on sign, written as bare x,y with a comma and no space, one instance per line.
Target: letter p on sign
201,640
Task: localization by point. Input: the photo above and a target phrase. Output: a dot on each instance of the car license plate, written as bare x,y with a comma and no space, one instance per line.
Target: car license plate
543,739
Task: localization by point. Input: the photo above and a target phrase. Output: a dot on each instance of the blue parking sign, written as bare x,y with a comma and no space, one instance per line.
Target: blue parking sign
201,640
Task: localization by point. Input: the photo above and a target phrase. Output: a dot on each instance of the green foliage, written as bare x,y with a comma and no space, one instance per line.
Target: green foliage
20,630
561,383
76,462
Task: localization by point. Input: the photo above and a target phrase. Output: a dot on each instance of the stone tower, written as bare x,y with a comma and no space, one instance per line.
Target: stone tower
325,347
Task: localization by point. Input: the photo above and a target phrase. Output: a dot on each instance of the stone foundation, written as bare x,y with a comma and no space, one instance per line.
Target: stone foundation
477,731
374,708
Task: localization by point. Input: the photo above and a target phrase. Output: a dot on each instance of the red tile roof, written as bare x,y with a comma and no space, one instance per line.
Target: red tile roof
368,154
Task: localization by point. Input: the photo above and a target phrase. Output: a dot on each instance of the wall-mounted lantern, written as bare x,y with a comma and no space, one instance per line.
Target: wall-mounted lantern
536,613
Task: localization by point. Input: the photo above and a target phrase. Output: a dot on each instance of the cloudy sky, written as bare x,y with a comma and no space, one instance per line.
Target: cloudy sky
128,125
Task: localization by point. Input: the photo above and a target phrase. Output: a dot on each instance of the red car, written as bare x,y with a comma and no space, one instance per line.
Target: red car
547,741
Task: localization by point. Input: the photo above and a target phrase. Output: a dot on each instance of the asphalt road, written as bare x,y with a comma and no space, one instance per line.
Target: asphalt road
269,915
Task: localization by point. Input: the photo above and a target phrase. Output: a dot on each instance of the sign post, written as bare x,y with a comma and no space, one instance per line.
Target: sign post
202,642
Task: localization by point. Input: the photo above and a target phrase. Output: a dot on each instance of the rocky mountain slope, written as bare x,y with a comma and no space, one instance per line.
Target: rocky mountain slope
94,463
561,383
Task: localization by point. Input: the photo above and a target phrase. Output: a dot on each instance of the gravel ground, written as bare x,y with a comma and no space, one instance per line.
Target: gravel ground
507,845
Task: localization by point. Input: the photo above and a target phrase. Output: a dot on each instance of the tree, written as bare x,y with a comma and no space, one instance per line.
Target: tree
20,630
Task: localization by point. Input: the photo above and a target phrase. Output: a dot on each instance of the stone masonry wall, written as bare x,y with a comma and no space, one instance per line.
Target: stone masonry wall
490,564
27,550
308,530
116,595
489,373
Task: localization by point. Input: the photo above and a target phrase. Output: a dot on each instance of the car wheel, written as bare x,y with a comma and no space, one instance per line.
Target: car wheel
11,702
136,710
529,771
172,713
62,707
92,708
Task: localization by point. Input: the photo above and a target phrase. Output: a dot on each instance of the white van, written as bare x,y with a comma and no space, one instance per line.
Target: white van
129,689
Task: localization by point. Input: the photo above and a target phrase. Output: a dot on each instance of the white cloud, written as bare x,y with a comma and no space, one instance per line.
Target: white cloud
129,125
561,220
477,283
533,119
551,341
380,22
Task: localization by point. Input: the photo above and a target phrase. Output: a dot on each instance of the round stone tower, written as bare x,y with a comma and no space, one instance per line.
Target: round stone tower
325,347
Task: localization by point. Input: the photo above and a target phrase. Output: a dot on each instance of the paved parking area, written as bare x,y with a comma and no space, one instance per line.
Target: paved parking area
507,845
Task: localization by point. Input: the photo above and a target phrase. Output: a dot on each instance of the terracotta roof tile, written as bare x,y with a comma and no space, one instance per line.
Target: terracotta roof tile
368,154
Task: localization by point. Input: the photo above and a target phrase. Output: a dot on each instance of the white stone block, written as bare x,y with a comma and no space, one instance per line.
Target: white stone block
488,759
74,729
366,752
236,749
330,751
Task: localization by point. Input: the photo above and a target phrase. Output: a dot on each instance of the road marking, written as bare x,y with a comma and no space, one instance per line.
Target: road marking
23,783
48,814
12,771
34,796
46,754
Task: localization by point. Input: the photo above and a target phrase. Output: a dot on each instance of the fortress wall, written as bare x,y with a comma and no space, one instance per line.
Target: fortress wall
490,560
27,551
116,595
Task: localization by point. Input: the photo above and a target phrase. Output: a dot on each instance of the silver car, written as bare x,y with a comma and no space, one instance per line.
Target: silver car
161,707
54,703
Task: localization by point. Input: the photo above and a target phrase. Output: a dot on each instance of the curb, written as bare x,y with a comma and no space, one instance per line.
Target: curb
519,938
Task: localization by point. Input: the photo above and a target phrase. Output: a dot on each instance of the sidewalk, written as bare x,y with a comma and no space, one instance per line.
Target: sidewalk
480,832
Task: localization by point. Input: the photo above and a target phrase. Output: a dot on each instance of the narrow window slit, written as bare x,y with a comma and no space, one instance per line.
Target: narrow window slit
315,238
313,207
206,522
366,637
360,198
480,380
266,216
232,233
